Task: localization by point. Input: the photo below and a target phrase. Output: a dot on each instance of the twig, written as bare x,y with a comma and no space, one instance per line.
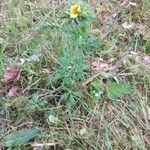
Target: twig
44,144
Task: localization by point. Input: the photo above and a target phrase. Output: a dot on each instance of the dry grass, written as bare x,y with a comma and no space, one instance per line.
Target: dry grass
117,125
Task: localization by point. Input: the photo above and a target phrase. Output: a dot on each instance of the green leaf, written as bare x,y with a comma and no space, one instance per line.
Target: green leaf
95,85
33,101
115,90
147,51
96,95
96,90
19,138
71,101
64,96
77,94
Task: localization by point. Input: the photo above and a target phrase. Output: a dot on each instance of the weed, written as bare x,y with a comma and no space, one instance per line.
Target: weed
83,78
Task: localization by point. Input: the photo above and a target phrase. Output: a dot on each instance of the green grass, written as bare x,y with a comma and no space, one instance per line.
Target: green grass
106,124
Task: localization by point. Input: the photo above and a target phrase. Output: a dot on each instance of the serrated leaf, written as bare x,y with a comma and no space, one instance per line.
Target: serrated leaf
19,137
115,90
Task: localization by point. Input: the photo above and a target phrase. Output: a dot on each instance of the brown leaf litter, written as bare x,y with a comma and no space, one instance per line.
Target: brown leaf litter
11,75
14,91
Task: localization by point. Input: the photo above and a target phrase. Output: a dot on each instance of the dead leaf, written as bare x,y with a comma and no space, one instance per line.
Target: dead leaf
39,146
1,148
122,59
46,71
21,61
1,90
13,92
147,58
53,119
104,15
11,74
45,144
99,65
127,25
133,4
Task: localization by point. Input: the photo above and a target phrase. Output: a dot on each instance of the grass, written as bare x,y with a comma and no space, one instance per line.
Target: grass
104,124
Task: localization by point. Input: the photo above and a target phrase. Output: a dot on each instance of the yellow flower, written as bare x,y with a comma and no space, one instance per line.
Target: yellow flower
75,10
